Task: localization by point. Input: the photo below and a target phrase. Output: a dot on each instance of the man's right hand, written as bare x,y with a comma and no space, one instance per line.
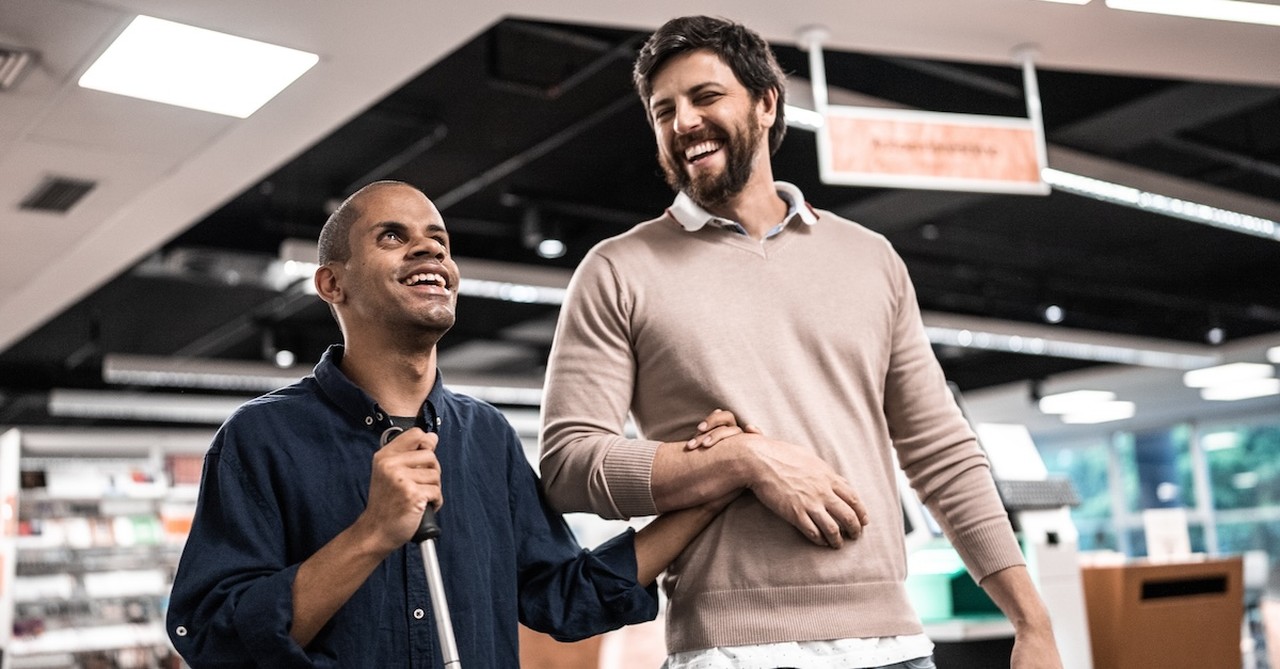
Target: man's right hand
803,490
406,477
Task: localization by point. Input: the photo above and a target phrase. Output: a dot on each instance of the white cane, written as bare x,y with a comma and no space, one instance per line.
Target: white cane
425,537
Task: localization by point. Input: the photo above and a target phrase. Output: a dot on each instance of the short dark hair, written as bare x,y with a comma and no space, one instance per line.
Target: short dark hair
742,49
335,236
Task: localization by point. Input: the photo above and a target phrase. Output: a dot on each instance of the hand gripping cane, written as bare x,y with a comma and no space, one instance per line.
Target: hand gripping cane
425,537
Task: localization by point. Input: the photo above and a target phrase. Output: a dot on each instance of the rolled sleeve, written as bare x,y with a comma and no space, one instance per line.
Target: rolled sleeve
589,595
232,598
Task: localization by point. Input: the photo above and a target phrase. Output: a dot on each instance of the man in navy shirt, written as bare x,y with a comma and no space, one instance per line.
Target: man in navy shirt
299,555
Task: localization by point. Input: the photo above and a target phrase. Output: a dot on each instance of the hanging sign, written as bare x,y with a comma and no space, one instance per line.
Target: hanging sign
903,148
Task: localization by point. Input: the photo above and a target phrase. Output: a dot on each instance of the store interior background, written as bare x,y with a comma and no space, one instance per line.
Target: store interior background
522,125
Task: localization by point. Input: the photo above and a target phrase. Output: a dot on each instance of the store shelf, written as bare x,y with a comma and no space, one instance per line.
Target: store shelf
85,639
93,551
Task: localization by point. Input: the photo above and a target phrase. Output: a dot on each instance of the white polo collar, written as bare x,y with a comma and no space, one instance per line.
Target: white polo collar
693,217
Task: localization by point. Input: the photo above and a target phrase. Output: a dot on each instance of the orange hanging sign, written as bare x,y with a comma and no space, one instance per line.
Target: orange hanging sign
896,148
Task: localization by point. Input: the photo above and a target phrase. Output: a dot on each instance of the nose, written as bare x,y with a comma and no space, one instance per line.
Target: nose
430,247
687,119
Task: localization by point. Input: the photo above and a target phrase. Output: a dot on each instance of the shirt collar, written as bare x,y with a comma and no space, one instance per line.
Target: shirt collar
354,400
692,217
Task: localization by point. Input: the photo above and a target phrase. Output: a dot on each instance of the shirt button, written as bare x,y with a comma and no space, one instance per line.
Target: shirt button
180,631
418,613
437,421
368,420
378,415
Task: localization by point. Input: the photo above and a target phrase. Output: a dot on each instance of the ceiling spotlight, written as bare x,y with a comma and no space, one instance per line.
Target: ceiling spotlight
1215,335
1053,314
551,248
1273,355
285,358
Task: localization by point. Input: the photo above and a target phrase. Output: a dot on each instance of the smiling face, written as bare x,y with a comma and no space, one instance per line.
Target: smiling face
709,129
400,276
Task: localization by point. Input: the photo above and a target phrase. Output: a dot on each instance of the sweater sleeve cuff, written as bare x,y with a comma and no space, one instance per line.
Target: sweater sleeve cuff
628,468
989,548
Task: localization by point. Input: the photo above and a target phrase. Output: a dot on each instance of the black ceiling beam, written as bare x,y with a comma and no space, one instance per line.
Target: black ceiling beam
511,165
1161,115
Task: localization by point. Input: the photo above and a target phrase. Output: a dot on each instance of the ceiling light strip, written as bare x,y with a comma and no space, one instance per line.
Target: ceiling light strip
1218,10
141,406
241,375
1128,196
512,292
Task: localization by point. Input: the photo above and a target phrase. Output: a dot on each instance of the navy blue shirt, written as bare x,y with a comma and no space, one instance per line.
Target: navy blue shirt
290,470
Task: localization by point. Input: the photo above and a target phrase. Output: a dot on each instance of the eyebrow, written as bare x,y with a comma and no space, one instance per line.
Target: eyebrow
398,226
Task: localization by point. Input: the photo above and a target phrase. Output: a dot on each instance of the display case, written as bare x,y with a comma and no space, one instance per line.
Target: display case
100,521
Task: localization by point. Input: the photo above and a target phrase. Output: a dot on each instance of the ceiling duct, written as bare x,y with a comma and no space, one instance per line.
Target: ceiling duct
57,194
14,63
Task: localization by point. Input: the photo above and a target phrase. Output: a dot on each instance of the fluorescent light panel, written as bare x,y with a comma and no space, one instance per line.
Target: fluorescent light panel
1074,401
1219,10
1162,204
192,67
1103,412
1220,441
1242,390
1062,347
198,373
141,406
512,292
1229,374
805,119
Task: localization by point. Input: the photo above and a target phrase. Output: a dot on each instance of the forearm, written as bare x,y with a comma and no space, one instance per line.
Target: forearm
327,579
662,540
1013,591
682,478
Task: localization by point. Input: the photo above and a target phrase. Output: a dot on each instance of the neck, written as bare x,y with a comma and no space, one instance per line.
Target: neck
397,375
757,207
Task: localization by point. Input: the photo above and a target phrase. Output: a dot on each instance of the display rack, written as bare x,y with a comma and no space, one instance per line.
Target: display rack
99,525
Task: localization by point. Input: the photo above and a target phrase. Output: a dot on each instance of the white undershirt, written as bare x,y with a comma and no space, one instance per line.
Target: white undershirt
837,654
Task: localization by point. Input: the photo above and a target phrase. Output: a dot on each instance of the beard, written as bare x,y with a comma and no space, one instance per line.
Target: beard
710,190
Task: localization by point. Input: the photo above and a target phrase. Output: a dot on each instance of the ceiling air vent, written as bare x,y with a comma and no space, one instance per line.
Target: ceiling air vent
57,194
13,64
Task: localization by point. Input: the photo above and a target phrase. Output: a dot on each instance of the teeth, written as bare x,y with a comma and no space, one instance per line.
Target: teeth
700,149
425,278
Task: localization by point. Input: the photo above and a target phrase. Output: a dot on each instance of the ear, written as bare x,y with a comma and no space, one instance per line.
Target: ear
328,285
767,108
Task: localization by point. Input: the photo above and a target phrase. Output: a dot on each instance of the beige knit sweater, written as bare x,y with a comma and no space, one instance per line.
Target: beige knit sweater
813,335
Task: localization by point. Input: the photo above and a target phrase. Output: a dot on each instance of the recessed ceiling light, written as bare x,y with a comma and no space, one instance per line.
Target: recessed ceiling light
1223,375
1076,400
182,65
1221,10
1242,391
1273,354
